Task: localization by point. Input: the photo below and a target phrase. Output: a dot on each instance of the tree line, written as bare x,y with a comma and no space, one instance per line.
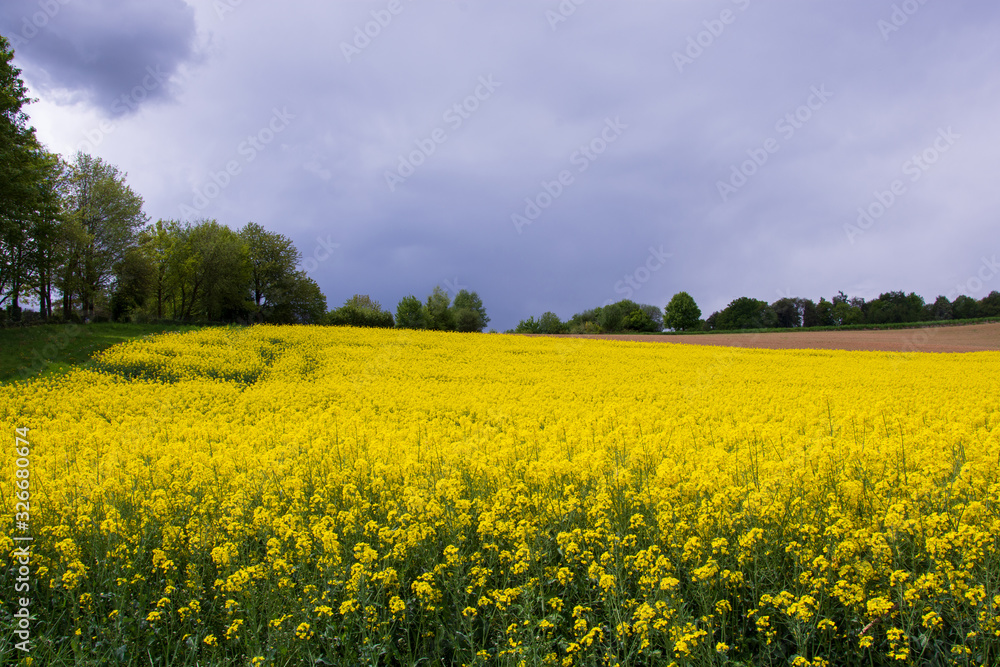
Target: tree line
74,241
624,316
683,314
895,307
90,253
438,313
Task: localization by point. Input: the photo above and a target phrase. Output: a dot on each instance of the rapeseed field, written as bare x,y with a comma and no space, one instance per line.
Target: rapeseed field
338,496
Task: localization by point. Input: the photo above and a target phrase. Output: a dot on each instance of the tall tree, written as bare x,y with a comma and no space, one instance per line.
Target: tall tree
135,277
299,300
469,312
788,311
214,270
159,241
108,214
48,232
28,175
410,313
273,258
439,314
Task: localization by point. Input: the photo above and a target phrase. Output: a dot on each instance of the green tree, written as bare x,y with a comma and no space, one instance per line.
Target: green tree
824,316
847,310
638,320
747,313
298,300
361,311
585,322
549,323
134,281
611,317
989,305
410,313
273,258
810,314
788,312
965,308
159,241
892,307
682,313
210,266
528,326
469,313
47,230
28,200
939,310
439,315
108,215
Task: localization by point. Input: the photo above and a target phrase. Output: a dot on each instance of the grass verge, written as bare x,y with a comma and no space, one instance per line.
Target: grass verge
50,349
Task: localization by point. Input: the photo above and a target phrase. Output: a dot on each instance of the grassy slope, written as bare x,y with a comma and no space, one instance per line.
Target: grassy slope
50,349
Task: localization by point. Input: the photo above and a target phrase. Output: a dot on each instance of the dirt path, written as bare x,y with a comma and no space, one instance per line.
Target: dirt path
967,338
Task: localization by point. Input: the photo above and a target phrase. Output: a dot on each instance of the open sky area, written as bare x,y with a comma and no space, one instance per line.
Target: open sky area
552,156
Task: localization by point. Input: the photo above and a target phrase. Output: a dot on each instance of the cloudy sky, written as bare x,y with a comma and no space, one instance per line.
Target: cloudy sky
550,155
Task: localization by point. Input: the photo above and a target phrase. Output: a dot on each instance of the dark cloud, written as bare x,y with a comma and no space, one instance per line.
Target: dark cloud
113,54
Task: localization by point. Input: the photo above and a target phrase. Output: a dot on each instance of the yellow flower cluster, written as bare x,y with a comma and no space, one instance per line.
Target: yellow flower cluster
349,494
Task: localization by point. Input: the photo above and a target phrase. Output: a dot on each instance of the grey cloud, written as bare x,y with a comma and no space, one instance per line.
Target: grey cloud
112,54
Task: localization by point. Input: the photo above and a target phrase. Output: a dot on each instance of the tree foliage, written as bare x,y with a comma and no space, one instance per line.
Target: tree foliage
467,313
273,258
682,313
746,313
29,204
410,313
361,311
106,216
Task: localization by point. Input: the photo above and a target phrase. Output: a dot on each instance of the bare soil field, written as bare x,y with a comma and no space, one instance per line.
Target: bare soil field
967,338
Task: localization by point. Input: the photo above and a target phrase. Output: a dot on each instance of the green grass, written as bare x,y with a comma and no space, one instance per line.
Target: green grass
51,349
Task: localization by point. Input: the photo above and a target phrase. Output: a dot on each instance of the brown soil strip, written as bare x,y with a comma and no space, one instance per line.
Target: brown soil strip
967,338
